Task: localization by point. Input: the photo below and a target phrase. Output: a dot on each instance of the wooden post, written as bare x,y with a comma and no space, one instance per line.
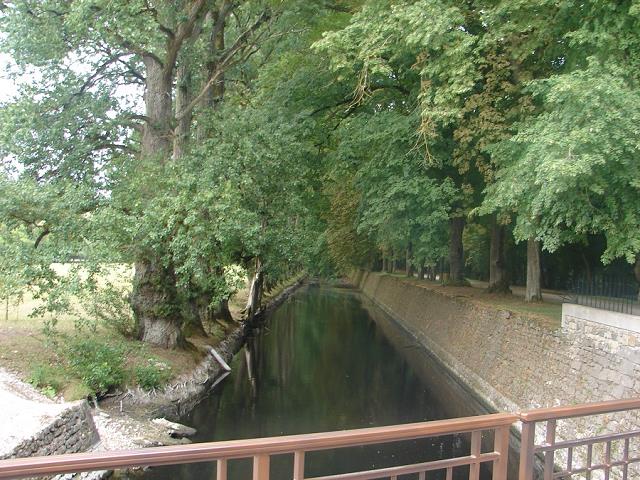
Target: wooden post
298,465
261,467
501,445
476,445
549,456
526,450
221,469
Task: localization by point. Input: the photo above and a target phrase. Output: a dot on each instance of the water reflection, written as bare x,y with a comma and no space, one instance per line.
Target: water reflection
324,363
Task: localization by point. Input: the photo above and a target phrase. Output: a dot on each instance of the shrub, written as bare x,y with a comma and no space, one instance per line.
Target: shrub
153,374
99,365
45,378
110,306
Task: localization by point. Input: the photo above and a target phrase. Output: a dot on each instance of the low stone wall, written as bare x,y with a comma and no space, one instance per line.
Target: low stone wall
596,317
72,431
512,362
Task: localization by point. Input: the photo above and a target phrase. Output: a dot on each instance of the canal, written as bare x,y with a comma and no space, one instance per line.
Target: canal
327,359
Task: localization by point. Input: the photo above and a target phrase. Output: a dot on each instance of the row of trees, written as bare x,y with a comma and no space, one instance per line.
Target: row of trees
150,133
199,139
516,116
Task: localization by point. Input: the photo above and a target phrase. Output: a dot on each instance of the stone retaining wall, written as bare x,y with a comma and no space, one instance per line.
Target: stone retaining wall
513,362
72,431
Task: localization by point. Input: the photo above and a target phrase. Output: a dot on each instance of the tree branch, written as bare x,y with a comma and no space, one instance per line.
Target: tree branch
225,62
154,13
184,31
43,234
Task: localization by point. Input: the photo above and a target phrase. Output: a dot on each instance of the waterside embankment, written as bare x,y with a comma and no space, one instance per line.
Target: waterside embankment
511,361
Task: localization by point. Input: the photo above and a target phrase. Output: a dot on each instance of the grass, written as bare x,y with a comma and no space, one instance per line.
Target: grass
45,359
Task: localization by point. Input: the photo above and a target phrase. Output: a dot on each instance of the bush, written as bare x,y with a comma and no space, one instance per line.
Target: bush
45,378
99,365
110,306
153,374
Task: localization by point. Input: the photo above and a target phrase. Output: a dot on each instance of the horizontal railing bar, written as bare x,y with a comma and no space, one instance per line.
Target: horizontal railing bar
600,466
201,452
582,410
586,441
414,468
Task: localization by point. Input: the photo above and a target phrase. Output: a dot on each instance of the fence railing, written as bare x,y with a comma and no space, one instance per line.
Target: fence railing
549,417
607,293
261,450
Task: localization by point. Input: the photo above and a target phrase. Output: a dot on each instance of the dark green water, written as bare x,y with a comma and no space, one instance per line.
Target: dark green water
328,360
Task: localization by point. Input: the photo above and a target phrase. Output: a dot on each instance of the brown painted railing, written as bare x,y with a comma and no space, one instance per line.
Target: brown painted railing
297,445
550,416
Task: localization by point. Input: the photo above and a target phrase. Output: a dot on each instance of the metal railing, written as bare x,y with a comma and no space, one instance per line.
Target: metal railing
261,450
606,293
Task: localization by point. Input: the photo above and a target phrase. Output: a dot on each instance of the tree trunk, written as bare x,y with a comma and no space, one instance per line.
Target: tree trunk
456,251
498,273
183,98
213,98
421,270
155,304
154,299
533,291
384,263
222,311
409,260
255,295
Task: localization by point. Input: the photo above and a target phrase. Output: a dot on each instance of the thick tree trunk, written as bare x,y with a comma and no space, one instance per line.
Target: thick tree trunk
533,291
409,261
154,302
222,311
498,272
154,299
384,263
456,251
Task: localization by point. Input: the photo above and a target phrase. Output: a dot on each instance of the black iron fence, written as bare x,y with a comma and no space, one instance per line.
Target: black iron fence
607,293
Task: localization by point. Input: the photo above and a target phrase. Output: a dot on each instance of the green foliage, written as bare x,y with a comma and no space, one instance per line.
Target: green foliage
152,375
347,247
99,365
573,169
46,379
430,110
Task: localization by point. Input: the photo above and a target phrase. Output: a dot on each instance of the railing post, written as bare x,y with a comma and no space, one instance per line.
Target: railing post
476,445
261,467
221,469
527,444
298,465
549,456
501,446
